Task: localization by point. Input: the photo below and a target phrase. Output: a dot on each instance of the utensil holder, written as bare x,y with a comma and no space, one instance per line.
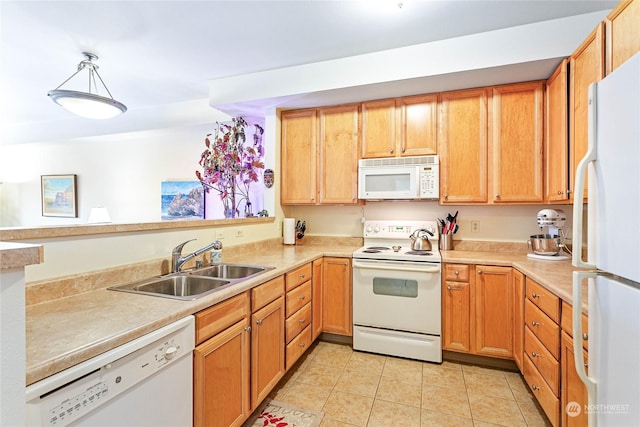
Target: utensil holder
446,242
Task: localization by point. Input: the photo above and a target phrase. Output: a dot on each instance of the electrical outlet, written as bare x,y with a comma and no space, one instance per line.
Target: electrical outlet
239,232
475,226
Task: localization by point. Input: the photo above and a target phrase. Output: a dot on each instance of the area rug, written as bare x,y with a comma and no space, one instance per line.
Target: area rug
277,414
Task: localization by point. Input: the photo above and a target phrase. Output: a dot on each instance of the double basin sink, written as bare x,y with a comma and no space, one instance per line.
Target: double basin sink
193,284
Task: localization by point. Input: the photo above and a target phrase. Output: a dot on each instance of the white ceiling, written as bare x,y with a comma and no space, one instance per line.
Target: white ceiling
162,53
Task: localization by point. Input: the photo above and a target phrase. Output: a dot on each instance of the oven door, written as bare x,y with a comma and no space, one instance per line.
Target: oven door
398,295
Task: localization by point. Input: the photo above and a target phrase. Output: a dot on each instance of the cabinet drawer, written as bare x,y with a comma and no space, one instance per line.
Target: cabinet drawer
545,329
548,401
567,324
267,292
213,320
456,272
544,299
298,321
298,346
297,298
298,276
547,365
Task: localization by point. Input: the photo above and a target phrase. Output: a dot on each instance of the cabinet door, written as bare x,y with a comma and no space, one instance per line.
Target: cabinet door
493,315
221,378
378,129
557,141
456,327
517,142
462,144
336,296
418,125
267,350
572,387
316,299
518,317
586,66
339,155
299,157
622,33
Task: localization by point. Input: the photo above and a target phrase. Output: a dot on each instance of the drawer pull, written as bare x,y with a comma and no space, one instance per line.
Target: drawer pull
586,365
453,288
585,336
301,320
534,323
302,297
535,387
247,329
479,271
456,272
302,276
259,322
302,344
534,295
534,354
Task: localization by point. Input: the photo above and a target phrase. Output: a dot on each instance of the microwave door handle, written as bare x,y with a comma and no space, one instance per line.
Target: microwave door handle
393,268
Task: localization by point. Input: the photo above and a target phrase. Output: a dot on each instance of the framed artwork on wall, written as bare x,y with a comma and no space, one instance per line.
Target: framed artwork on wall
59,195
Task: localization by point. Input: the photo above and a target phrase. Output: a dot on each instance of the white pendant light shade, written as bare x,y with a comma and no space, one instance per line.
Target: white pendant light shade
88,104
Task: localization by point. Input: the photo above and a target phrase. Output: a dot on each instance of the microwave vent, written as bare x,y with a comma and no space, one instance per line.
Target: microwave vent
400,161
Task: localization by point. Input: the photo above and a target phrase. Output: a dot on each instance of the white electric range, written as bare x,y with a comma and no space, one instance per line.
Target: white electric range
397,292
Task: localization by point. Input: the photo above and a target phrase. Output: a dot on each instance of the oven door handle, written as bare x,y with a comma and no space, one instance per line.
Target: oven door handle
378,266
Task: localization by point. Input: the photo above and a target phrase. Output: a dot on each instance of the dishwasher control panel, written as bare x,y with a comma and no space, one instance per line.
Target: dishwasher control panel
114,373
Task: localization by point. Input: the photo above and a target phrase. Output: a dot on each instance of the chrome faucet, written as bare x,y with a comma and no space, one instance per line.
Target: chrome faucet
177,260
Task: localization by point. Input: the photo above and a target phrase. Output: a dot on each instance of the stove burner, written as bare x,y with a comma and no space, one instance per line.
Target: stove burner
378,248
422,253
371,251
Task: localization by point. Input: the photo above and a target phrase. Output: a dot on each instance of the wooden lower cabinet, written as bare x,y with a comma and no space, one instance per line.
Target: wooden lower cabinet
267,351
478,310
336,296
573,397
221,365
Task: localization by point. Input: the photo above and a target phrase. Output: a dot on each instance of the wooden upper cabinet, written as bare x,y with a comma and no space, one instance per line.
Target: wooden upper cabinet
299,157
557,137
586,67
378,129
517,127
338,166
623,39
462,144
417,129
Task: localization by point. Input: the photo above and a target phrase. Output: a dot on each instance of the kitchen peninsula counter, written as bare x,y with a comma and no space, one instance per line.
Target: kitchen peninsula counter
66,331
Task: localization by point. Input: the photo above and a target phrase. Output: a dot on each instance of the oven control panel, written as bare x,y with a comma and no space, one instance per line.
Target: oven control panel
397,229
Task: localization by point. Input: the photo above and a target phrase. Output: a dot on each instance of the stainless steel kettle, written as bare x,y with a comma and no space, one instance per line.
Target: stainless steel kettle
420,240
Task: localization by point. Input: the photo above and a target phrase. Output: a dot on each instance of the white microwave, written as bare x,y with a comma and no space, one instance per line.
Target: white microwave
399,178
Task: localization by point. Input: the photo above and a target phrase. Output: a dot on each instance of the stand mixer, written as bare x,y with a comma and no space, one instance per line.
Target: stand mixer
548,246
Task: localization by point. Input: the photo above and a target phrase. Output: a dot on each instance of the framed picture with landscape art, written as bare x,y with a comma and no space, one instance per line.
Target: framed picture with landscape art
59,196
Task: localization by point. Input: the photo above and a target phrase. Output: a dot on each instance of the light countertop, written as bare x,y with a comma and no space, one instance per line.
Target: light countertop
66,331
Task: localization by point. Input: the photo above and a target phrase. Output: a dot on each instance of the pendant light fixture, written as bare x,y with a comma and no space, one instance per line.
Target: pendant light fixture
88,104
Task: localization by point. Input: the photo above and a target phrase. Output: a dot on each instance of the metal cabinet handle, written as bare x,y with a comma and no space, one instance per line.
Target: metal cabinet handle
302,320
446,197
259,322
534,295
302,297
390,150
534,354
585,336
497,196
453,288
535,387
534,323
479,271
302,344
560,193
248,329
403,149
456,273
302,276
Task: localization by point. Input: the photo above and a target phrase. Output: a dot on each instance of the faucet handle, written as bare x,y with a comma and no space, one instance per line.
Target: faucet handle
178,249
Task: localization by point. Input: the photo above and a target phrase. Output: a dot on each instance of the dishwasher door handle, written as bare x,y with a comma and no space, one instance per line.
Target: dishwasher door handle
405,267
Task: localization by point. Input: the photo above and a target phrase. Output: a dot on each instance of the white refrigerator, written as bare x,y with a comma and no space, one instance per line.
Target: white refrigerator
612,164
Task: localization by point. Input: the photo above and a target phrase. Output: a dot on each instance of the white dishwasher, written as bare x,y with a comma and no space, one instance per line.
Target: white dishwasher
145,382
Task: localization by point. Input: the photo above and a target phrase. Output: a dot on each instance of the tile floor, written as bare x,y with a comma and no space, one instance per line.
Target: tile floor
361,389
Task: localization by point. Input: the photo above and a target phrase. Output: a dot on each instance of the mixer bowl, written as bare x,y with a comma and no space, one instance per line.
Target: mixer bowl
544,244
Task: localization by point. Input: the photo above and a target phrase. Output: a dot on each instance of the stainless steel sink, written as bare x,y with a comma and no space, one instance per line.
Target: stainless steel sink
193,284
230,271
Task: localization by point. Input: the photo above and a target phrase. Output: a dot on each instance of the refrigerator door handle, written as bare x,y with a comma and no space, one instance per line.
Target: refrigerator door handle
590,383
581,175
